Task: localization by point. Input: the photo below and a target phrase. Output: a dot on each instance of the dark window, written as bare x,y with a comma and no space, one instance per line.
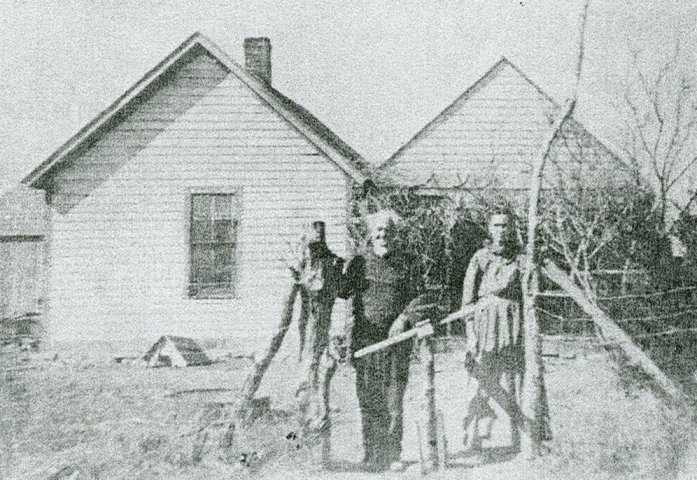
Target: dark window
213,245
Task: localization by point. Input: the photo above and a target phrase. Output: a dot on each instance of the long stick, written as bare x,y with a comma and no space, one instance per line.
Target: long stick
610,329
465,312
422,329
427,357
253,381
376,347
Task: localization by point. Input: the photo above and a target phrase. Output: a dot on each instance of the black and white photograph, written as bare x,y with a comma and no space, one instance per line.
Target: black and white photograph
390,239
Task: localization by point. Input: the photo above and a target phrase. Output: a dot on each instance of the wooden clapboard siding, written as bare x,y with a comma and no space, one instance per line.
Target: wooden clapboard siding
22,212
491,133
23,226
119,237
21,275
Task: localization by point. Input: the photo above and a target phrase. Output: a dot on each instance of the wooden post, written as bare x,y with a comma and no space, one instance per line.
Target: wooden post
320,278
309,392
442,443
427,358
302,321
533,394
420,442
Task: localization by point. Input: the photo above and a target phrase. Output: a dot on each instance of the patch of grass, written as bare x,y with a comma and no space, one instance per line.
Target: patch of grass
115,421
603,432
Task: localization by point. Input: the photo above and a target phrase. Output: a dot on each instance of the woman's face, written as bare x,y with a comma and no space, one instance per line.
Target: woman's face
499,225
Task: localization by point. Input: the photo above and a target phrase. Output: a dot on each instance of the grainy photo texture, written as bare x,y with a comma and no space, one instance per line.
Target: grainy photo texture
348,240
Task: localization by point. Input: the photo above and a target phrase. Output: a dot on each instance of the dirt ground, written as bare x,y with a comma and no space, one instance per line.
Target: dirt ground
118,421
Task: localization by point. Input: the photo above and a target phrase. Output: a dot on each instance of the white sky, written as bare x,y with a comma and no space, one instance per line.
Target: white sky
375,72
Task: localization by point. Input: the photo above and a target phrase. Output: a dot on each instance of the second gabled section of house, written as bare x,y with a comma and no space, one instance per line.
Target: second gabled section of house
487,139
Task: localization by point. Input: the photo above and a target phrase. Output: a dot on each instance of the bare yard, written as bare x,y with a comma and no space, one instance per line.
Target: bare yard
116,421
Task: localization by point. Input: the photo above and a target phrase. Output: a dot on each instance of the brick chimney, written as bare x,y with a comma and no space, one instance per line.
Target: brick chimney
257,58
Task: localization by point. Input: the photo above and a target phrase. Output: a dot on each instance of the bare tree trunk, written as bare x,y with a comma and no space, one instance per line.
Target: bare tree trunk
610,329
328,367
533,387
533,394
533,384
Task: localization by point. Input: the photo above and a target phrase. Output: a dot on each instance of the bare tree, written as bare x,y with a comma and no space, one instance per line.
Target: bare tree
660,114
593,208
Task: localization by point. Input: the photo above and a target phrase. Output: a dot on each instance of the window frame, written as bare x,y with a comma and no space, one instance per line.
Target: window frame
237,255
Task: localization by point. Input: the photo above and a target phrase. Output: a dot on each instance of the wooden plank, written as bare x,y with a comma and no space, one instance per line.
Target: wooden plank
181,144
231,114
422,330
20,238
123,152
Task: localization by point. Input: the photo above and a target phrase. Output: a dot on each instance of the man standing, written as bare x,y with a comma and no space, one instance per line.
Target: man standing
379,286
494,352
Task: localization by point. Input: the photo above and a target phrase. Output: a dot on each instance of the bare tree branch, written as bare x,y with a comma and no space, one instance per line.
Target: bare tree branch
662,127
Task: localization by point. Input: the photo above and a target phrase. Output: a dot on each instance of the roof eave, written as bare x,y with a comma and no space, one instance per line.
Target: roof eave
264,91
105,115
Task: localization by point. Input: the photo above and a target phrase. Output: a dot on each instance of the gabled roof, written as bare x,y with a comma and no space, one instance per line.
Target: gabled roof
345,157
391,172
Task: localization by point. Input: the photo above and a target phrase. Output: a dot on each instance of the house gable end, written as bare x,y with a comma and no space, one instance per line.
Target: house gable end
486,137
337,151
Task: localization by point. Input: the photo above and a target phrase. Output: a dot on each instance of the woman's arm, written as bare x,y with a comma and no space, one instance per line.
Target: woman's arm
470,286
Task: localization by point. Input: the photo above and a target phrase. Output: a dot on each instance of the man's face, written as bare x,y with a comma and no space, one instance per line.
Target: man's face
499,228
381,238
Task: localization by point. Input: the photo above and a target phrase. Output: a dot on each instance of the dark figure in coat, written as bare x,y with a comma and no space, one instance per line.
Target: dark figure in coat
382,294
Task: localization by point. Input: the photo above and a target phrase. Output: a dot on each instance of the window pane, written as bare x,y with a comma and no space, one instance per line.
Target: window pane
201,231
223,257
223,231
223,206
224,267
201,264
201,206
